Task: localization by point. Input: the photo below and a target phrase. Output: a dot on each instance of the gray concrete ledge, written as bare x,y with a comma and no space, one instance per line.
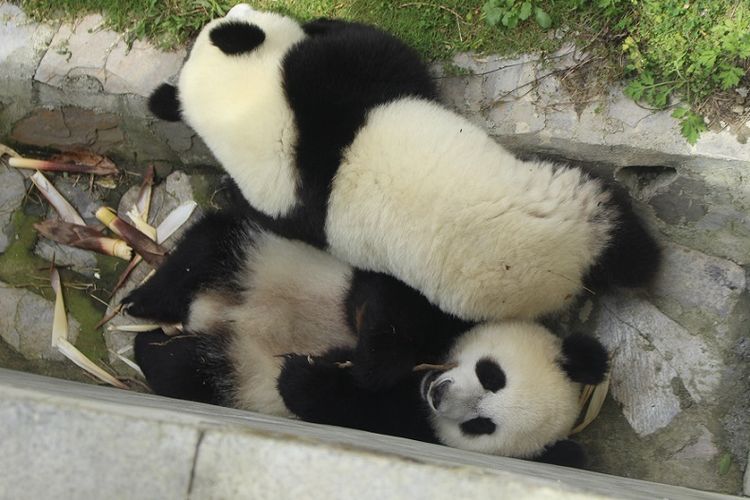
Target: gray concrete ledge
67,440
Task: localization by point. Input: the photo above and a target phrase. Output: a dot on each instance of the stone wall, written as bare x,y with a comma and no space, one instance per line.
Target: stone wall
681,350
79,85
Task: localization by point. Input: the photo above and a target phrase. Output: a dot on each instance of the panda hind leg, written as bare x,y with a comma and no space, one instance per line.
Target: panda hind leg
632,257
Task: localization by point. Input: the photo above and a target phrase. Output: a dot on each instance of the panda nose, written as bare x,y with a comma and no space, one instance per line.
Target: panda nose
437,391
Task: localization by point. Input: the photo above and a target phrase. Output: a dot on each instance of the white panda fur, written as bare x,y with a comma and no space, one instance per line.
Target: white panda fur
518,236
527,418
291,302
261,158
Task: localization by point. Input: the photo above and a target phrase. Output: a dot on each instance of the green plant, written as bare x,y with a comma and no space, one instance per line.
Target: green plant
689,51
673,49
510,13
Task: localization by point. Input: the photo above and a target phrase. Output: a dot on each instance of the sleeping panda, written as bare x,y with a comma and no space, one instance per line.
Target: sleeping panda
271,326
332,133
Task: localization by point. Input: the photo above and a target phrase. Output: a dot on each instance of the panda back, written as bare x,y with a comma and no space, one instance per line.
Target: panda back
496,237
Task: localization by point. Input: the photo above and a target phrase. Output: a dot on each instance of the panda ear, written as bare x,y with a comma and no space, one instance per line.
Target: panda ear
236,37
164,103
322,26
564,452
585,359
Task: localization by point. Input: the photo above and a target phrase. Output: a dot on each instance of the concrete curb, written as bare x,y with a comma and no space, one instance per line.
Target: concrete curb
67,440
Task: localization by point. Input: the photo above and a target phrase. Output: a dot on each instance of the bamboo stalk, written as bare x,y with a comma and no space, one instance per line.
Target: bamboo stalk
5,150
174,220
53,166
164,231
85,237
151,252
141,225
592,400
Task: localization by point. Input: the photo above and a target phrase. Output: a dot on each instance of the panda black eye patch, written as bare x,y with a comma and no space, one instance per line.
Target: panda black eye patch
237,37
478,426
490,375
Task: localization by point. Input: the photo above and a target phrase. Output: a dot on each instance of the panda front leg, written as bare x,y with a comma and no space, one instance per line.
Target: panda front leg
208,254
397,329
323,390
386,351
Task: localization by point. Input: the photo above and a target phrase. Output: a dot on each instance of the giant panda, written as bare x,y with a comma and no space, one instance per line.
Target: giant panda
270,325
332,133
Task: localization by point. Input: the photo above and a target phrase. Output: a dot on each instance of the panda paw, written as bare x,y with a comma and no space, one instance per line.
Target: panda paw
147,303
382,360
310,385
565,452
137,304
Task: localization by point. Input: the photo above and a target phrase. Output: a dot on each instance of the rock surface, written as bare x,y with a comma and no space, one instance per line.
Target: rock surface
26,323
87,57
86,458
12,192
22,46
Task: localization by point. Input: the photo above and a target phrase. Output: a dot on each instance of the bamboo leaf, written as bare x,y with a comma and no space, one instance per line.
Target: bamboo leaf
60,337
57,200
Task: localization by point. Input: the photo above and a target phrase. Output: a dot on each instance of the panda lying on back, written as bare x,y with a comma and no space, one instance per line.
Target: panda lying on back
249,298
331,131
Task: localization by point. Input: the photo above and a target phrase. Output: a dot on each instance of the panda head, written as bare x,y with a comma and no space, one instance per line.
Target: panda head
229,61
514,391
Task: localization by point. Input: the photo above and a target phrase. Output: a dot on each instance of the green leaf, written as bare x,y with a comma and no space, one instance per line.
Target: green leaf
635,90
493,13
659,98
525,11
679,113
692,126
724,463
707,59
542,18
730,77
506,19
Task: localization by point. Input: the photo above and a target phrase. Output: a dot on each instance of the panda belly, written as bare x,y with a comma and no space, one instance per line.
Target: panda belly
495,237
293,302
